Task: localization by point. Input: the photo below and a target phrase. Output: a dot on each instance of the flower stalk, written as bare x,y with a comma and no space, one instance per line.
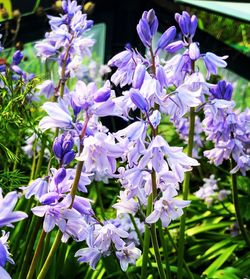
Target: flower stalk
185,195
237,208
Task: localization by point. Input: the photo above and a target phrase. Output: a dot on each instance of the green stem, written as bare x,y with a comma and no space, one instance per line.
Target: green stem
49,259
36,256
185,195
40,160
156,251
190,274
237,209
153,232
164,246
33,167
136,229
73,191
146,240
29,243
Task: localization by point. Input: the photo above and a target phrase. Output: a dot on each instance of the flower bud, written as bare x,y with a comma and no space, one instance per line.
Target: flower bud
175,46
57,146
138,100
60,175
68,143
194,51
139,76
166,37
193,25
68,157
103,94
17,57
161,76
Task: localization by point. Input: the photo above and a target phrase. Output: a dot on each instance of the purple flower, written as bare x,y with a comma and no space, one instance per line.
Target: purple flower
139,100
212,62
7,204
167,208
166,38
178,161
187,24
5,256
147,27
47,88
56,213
223,90
17,57
59,116
128,254
103,94
90,254
36,188
59,175
108,234
126,204
194,51
139,76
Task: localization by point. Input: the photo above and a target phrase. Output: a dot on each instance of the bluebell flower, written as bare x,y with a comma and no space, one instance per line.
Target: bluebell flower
4,255
128,254
7,204
167,208
59,116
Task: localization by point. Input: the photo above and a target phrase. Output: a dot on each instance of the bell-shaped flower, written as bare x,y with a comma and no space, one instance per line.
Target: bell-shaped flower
56,213
59,116
7,204
37,188
128,254
47,88
108,234
126,204
89,255
159,151
212,62
167,208
5,255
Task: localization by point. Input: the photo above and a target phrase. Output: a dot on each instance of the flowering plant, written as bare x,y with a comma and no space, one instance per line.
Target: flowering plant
149,177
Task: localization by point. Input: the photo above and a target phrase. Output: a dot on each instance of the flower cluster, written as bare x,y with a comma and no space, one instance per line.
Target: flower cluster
7,217
149,170
210,192
227,128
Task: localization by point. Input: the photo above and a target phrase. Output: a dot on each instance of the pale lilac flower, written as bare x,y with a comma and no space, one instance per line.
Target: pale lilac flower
47,88
59,116
7,204
178,161
212,62
89,255
126,204
99,154
108,234
167,208
5,255
128,254
208,191
37,188
57,213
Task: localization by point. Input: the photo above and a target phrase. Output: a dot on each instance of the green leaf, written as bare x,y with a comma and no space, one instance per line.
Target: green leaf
207,227
216,247
227,273
219,261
